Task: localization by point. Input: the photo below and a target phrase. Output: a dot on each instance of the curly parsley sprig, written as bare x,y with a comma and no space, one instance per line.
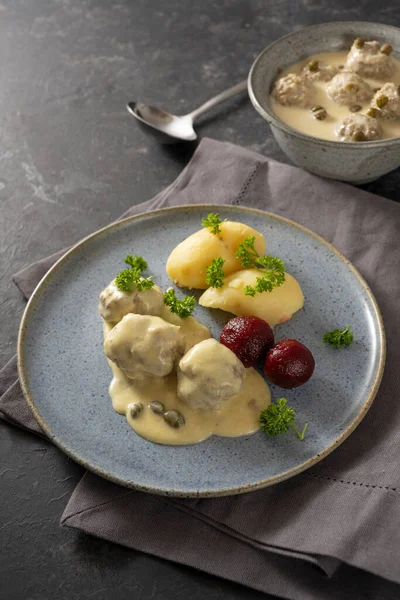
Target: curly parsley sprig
212,222
182,308
271,267
136,262
215,273
339,338
128,279
278,418
246,253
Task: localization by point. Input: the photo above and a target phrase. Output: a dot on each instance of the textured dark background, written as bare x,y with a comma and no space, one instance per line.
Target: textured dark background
71,159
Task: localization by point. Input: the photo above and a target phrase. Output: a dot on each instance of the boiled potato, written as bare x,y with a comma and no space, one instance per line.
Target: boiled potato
274,307
187,263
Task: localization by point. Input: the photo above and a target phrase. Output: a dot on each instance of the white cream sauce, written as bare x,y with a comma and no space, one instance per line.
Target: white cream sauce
239,415
303,120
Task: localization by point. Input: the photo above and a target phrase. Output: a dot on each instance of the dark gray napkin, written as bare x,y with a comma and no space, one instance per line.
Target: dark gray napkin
344,510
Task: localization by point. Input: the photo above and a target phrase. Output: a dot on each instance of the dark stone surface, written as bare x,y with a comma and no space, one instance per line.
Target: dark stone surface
71,159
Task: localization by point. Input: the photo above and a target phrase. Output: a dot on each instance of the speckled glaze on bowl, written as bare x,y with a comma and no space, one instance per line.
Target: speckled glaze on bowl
65,376
347,161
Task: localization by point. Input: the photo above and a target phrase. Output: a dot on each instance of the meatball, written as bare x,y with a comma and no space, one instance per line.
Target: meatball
370,59
317,70
115,304
359,128
209,374
144,346
386,101
348,88
293,89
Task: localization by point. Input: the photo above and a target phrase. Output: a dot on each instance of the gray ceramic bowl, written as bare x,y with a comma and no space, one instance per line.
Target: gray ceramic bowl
352,162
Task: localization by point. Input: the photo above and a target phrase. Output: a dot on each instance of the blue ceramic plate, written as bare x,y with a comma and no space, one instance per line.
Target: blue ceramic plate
65,376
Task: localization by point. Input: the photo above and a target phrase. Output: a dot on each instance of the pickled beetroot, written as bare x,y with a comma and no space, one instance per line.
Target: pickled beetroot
248,337
289,364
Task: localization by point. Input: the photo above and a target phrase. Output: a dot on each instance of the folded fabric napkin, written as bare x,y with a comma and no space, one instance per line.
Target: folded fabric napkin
330,532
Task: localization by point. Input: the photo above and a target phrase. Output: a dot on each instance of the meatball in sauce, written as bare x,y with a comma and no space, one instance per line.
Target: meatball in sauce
349,88
209,374
293,90
115,304
386,102
144,346
371,59
359,128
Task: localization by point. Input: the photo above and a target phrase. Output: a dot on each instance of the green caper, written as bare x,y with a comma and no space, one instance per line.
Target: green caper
157,407
386,49
359,42
340,67
372,112
174,418
320,115
359,136
355,108
313,65
135,409
381,101
351,87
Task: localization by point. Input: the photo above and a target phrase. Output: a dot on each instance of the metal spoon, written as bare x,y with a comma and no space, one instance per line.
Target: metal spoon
167,128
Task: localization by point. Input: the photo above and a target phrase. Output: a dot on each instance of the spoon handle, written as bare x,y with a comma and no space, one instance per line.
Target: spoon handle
239,87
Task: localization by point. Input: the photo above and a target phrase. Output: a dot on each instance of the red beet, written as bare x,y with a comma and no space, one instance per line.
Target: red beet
289,364
248,337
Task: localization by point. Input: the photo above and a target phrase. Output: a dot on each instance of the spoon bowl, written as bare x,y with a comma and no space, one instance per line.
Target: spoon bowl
168,128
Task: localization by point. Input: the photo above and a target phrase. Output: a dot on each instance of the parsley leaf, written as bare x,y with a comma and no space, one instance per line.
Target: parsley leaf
271,262
212,222
278,418
271,267
247,254
182,308
339,338
215,273
136,262
144,283
128,279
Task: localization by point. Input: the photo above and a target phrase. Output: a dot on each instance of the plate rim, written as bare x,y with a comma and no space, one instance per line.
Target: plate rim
241,489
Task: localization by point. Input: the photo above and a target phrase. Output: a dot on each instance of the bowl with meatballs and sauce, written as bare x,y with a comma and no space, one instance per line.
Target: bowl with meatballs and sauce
331,94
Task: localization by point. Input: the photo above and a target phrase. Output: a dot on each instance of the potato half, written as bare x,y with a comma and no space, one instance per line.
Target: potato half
187,263
274,307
